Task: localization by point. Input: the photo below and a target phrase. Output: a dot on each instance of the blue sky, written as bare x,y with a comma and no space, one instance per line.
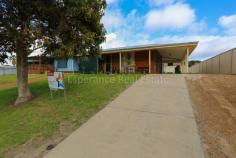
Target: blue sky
135,22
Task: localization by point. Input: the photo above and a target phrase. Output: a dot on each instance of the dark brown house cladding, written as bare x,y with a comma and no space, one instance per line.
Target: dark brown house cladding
115,62
167,58
141,61
40,64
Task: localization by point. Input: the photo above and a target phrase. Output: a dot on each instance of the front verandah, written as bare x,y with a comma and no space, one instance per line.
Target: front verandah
127,62
144,61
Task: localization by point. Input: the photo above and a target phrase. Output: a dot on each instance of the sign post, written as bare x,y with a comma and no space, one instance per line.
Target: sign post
55,82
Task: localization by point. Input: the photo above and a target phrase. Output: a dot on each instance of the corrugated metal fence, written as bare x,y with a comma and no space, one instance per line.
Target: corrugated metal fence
7,70
224,63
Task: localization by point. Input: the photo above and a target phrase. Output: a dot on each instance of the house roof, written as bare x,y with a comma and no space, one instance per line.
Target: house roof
191,45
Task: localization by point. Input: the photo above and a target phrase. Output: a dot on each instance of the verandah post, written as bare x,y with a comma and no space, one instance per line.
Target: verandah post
149,61
120,61
187,54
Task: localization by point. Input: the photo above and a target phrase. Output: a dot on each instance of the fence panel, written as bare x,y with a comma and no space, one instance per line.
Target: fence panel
216,65
198,68
204,67
201,68
191,70
234,62
194,69
7,71
209,66
225,63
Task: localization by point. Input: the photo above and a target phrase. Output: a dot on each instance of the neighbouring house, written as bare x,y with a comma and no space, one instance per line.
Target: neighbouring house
155,58
40,64
66,65
77,64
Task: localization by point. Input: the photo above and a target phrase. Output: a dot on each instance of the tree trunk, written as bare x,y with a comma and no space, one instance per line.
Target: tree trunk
24,93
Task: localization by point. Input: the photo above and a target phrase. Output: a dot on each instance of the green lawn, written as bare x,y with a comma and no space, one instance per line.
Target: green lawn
7,78
12,78
41,117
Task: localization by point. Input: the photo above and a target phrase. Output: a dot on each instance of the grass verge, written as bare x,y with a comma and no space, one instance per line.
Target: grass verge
42,117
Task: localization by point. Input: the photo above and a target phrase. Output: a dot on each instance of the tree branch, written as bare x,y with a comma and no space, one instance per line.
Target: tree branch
35,49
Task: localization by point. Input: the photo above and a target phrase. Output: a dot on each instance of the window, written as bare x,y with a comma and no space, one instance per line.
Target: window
62,63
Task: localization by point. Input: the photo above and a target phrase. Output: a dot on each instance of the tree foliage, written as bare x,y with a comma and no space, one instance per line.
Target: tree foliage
193,62
61,27
3,56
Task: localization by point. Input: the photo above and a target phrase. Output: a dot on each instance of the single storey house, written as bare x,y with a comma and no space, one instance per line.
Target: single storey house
155,58
38,64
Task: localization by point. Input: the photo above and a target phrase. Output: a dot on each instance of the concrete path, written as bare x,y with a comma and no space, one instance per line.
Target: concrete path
151,119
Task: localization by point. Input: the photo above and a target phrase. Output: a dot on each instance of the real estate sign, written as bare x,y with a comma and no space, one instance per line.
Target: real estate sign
55,81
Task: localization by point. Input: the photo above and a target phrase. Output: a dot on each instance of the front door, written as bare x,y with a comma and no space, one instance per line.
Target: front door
108,64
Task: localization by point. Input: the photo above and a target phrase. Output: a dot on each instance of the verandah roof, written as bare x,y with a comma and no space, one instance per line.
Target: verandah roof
168,51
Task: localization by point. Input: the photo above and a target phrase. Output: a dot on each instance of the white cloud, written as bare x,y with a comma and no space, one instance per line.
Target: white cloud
112,19
127,32
177,16
112,41
229,23
111,1
209,46
197,27
161,2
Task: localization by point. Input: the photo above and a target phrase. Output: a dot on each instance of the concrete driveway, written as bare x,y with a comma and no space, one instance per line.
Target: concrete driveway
151,119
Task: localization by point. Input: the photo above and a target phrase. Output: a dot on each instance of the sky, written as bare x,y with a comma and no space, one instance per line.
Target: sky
138,22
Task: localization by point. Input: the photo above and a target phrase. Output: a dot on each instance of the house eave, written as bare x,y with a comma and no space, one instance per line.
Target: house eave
191,45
